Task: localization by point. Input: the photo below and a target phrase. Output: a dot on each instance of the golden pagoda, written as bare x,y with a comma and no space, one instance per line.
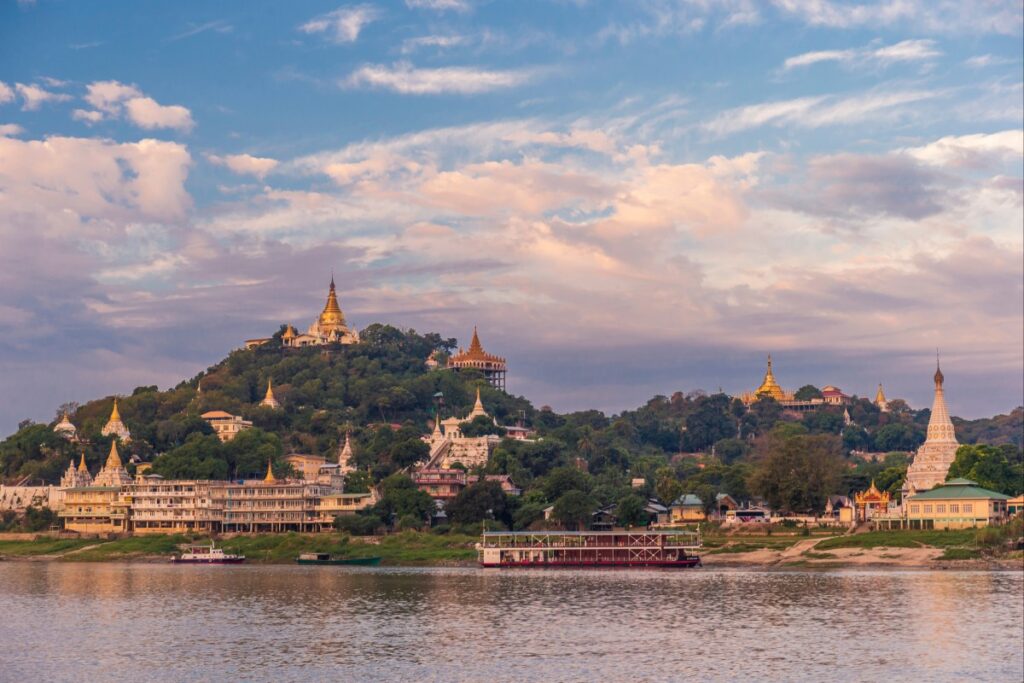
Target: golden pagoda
113,472
880,400
270,401
82,467
330,327
769,388
115,427
270,478
493,367
332,319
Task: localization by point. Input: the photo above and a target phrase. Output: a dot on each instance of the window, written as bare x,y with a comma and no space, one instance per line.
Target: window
940,508
915,509
927,509
954,507
968,507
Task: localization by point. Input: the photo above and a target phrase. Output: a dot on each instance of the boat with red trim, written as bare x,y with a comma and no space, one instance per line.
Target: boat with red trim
623,548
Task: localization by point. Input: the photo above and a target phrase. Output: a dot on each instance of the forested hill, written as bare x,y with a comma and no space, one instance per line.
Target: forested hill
383,393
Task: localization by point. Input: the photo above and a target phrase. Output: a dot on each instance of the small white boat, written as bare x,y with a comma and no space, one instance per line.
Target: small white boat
207,554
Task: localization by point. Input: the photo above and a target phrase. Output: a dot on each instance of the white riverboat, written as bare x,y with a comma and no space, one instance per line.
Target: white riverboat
207,554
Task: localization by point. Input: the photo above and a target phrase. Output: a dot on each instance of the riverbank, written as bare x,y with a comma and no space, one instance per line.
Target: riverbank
408,548
875,549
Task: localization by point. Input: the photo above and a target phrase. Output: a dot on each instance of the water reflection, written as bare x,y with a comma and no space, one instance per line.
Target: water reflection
160,622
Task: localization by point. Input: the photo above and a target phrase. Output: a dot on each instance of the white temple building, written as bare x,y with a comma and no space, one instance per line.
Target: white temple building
936,454
65,428
115,426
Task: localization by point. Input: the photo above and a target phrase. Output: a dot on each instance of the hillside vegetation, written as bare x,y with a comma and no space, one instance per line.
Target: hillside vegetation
381,391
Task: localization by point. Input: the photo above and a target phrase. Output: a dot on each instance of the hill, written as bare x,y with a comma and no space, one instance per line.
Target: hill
382,392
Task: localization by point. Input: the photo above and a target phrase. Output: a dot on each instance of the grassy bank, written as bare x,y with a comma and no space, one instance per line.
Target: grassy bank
406,548
901,539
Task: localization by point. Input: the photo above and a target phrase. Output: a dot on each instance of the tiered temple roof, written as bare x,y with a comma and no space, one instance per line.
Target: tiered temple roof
115,427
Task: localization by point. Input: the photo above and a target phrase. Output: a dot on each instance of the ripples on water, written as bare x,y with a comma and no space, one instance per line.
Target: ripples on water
123,622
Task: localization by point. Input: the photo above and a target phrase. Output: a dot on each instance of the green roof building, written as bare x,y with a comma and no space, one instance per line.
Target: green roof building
956,504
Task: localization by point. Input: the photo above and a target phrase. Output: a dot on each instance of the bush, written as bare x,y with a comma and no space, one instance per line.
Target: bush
358,525
406,522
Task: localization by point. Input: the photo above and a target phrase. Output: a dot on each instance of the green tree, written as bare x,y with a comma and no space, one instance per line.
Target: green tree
477,502
359,481
898,436
807,392
989,467
573,509
797,473
564,479
666,486
630,511
401,498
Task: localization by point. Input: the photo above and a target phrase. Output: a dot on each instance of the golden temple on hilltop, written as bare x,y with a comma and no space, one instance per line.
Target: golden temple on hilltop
494,368
830,395
330,327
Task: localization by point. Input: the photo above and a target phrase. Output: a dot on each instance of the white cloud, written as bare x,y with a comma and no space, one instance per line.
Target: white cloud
34,97
8,129
244,164
146,112
344,24
440,5
114,100
973,151
962,16
404,78
438,41
87,115
982,61
73,186
6,93
814,112
905,51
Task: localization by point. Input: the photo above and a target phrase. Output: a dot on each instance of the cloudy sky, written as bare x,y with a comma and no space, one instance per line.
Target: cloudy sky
628,198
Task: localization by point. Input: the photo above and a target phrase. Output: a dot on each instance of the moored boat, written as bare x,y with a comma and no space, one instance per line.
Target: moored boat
324,558
207,554
644,548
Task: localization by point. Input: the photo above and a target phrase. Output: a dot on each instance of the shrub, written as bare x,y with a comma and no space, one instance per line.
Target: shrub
358,525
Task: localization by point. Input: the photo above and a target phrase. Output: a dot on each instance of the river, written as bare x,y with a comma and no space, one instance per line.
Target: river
146,622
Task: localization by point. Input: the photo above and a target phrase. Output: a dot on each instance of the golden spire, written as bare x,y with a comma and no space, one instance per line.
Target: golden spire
270,472
437,425
939,377
475,347
769,387
332,317
113,459
880,395
115,416
81,464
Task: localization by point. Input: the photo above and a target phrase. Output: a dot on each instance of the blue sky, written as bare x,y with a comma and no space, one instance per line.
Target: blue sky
628,198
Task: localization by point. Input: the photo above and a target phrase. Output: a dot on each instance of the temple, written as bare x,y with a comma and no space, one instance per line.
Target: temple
448,445
270,401
493,367
65,428
345,456
330,327
936,454
880,401
830,395
76,477
113,472
115,427
871,502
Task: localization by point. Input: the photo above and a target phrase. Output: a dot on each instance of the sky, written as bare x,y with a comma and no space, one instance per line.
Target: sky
628,198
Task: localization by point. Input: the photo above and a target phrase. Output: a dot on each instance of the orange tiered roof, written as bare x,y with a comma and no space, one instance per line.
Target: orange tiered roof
475,352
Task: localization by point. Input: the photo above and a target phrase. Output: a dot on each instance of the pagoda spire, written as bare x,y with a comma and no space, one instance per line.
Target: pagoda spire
437,426
270,472
113,458
115,415
269,400
81,463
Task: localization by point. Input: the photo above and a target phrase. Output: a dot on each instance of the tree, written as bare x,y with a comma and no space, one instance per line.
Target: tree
711,422
573,509
729,450
989,467
401,498
630,511
477,502
481,425
666,485
898,437
797,473
359,481
807,392
564,479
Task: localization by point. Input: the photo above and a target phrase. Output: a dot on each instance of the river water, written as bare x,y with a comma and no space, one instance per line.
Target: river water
145,622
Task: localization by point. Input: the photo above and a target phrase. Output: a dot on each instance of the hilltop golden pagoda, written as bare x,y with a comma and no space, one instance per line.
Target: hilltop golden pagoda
769,388
330,327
